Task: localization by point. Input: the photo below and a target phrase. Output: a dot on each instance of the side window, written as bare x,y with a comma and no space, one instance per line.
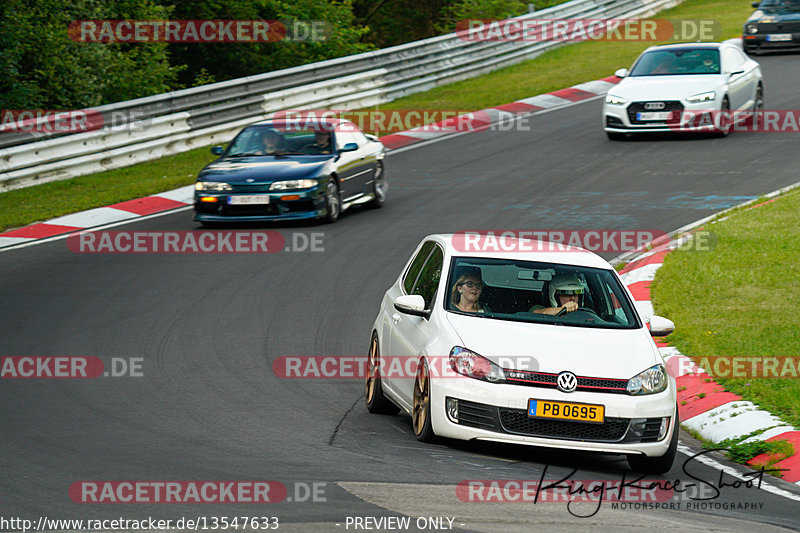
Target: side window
428,280
344,136
416,265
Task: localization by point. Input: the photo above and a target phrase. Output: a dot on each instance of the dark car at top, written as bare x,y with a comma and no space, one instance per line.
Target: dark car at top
774,26
295,178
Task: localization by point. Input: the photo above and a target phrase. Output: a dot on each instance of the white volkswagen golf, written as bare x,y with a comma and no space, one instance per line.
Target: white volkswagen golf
537,345
684,87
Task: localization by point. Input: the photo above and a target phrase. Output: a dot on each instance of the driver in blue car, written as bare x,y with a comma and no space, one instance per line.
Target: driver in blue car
321,144
565,294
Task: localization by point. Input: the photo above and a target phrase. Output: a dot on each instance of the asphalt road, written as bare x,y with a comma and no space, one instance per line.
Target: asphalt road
208,327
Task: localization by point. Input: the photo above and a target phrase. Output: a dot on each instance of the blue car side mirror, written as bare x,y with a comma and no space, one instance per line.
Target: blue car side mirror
217,150
349,147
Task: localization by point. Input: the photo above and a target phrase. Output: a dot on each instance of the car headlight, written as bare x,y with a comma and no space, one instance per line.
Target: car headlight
751,27
615,100
702,97
212,186
475,366
287,185
651,381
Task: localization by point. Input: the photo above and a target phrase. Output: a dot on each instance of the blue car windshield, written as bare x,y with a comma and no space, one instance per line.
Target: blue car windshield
677,61
269,140
788,5
527,291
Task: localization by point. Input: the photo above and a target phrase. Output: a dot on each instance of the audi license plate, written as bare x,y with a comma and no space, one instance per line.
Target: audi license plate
778,37
653,115
581,412
253,199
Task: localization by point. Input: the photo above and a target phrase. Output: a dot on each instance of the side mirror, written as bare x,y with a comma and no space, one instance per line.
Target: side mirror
217,150
660,326
412,304
621,73
755,4
349,147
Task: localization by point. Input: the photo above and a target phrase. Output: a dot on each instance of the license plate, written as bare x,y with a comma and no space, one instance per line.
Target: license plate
653,115
775,37
253,199
581,412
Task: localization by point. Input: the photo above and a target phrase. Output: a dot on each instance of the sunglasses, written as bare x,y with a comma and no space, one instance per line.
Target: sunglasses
473,284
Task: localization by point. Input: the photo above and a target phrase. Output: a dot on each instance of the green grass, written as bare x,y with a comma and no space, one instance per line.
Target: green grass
741,298
557,69
41,202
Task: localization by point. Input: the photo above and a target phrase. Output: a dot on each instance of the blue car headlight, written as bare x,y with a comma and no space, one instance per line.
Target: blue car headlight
651,381
212,186
290,185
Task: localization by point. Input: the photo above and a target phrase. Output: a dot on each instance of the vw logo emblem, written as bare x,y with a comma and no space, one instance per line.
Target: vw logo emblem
567,382
655,105
250,180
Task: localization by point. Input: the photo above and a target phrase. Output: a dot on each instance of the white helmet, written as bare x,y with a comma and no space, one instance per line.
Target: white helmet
565,284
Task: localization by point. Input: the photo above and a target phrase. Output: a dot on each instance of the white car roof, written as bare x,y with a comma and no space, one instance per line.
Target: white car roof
544,251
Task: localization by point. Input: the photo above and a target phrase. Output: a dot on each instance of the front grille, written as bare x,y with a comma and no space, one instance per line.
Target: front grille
779,27
250,187
644,430
477,415
548,380
250,210
670,105
518,422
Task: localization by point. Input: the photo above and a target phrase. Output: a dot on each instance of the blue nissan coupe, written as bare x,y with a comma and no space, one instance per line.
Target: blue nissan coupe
291,170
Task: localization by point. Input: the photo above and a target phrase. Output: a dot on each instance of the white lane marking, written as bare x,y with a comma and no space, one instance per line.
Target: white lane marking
13,241
93,217
184,195
95,228
768,434
733,419
643,273
713,463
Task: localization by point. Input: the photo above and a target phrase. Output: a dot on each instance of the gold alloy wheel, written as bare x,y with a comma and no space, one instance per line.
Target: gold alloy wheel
422,396
372,370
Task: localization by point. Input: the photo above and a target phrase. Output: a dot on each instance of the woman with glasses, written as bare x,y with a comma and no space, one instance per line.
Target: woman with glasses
466,293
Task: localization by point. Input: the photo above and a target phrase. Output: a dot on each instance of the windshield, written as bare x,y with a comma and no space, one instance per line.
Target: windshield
276,140
525,291
790,5
677,61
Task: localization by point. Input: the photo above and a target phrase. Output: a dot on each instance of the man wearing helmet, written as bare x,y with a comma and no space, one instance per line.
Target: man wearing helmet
565,293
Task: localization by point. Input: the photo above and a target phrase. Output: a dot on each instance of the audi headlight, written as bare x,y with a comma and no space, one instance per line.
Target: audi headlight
751,27
651,381
472,365
288,185
702,97
615,100
212,186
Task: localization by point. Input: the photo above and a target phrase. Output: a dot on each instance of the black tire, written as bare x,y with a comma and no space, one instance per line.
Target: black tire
379,186
333,202
657,465
373,390
421,407
614,136
724,119
758,106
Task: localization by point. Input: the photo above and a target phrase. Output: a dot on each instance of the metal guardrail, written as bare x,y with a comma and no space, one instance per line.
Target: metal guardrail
182,120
